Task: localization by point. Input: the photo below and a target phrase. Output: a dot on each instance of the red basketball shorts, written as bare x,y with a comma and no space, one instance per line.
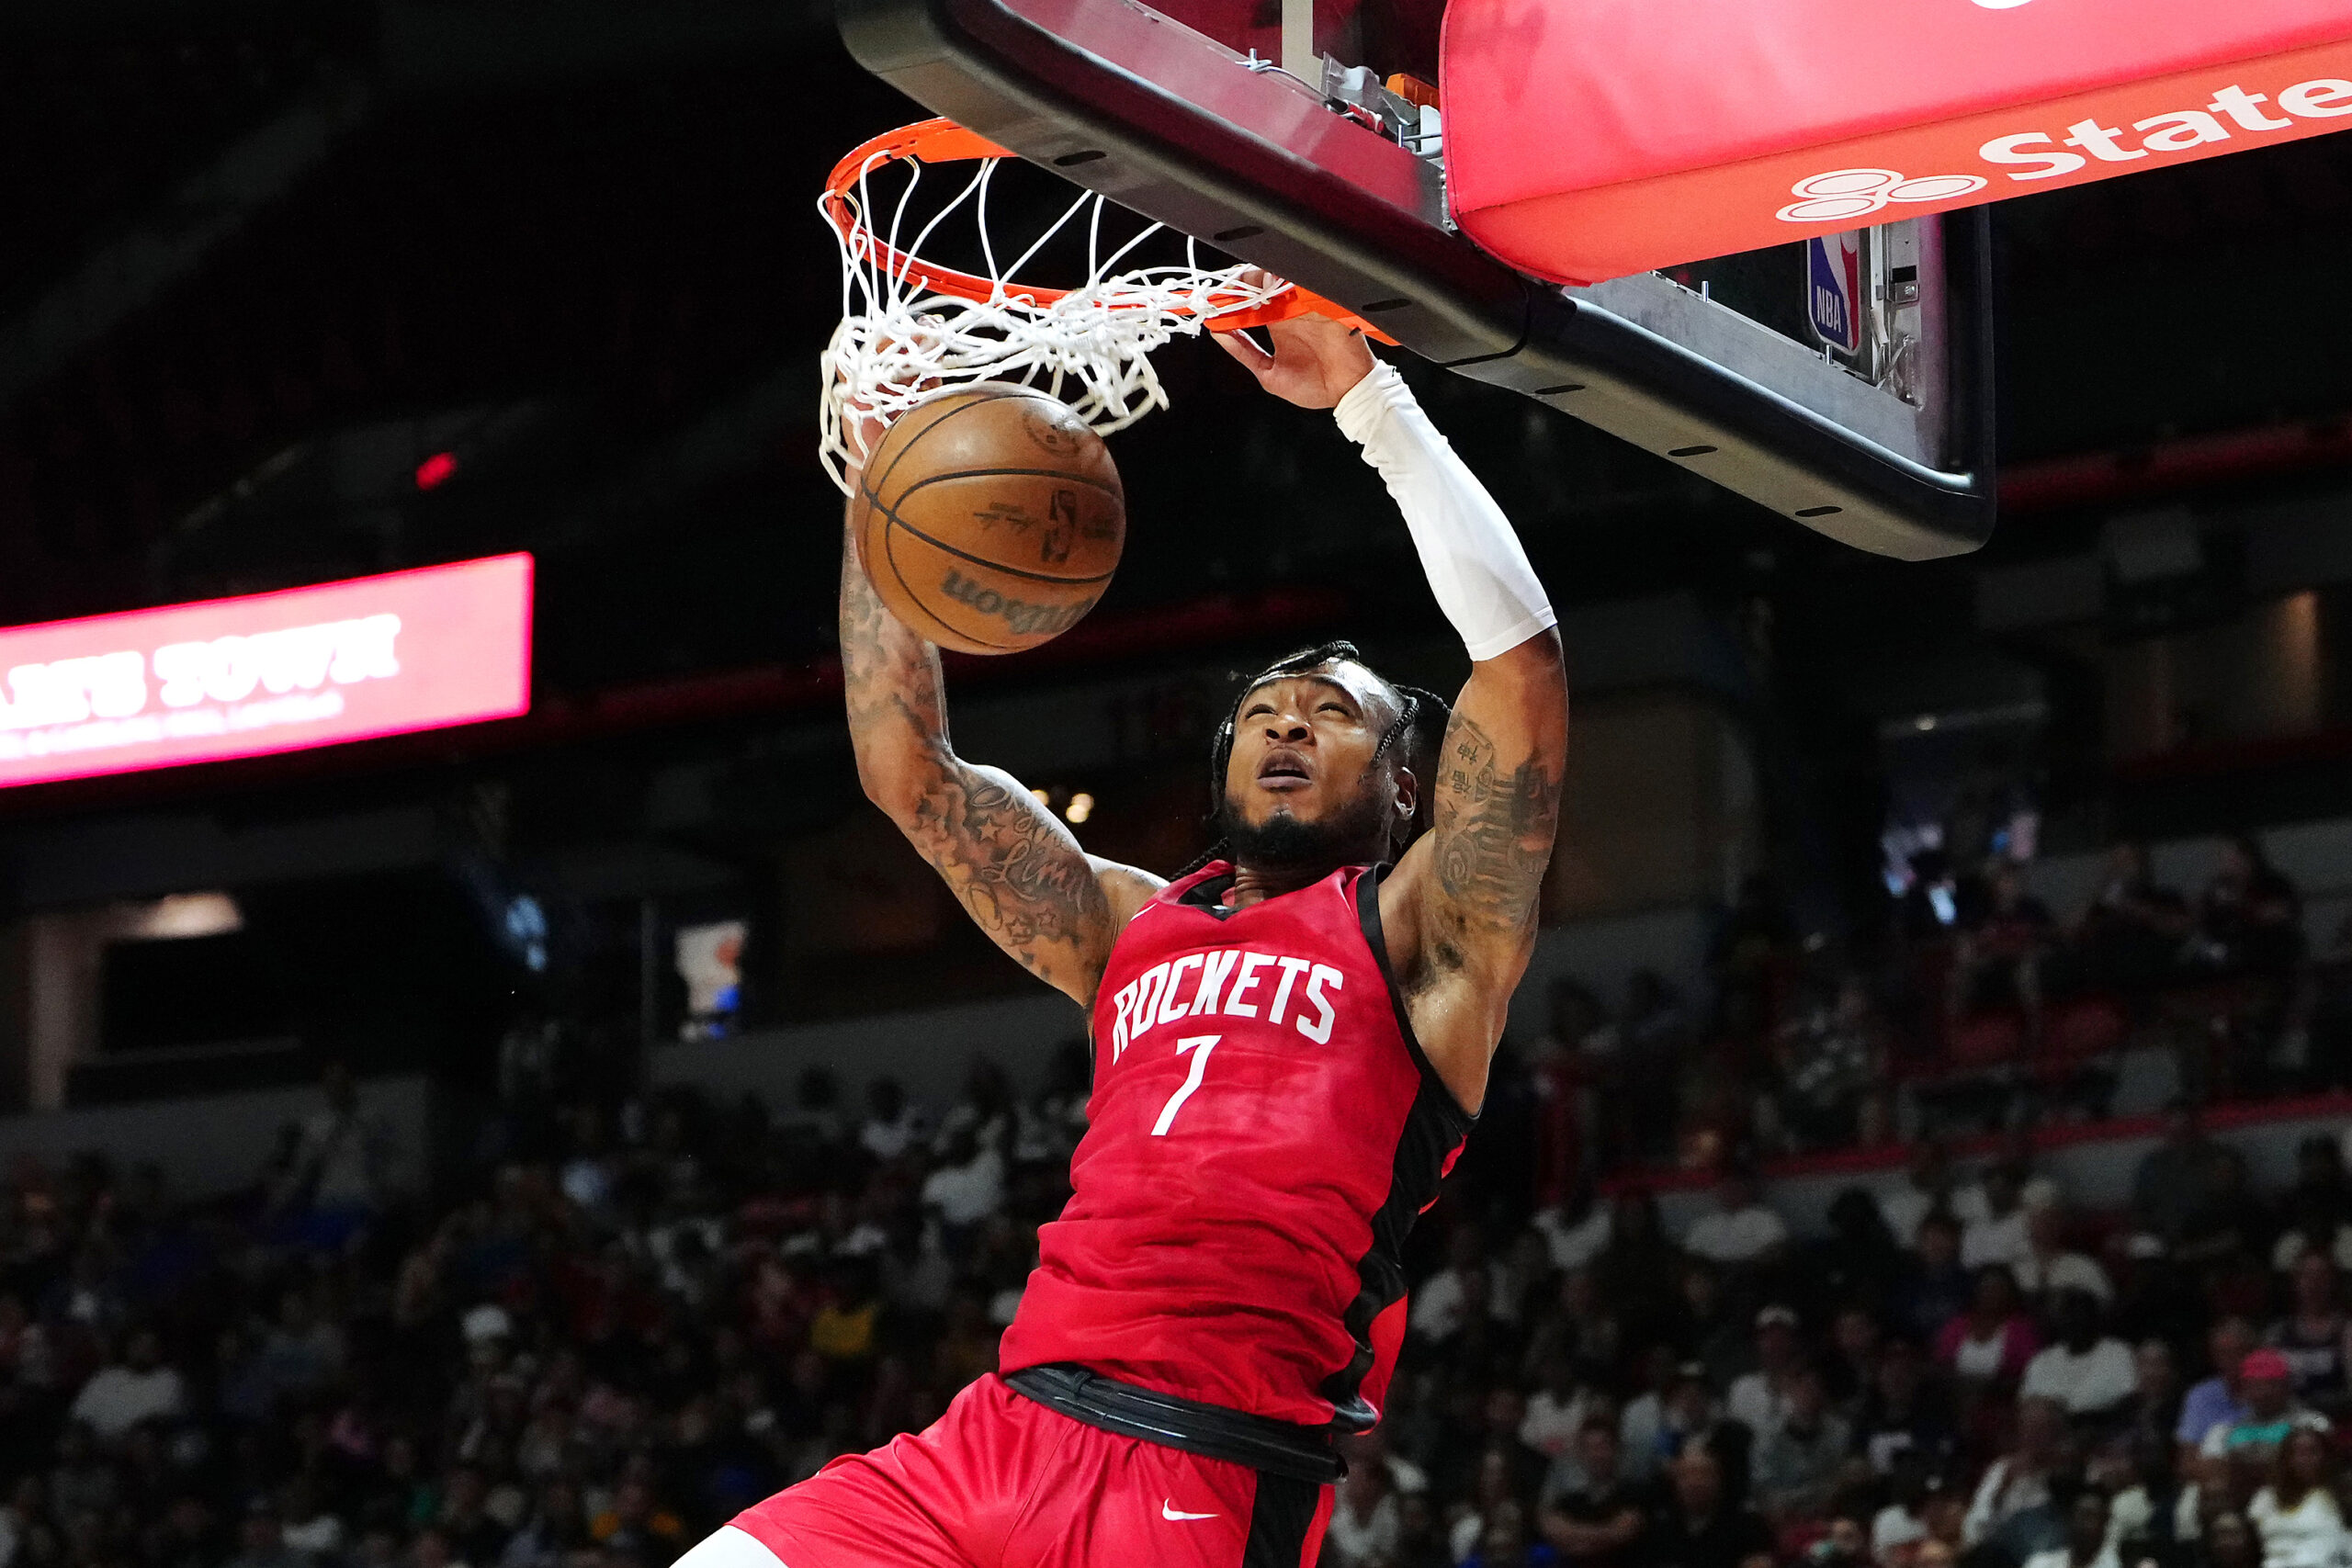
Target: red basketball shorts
1001,1481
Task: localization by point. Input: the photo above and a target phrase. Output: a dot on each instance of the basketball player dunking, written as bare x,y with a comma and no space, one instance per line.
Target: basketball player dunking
1290,1045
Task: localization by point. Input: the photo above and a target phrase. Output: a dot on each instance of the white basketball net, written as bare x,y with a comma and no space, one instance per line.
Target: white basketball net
901,340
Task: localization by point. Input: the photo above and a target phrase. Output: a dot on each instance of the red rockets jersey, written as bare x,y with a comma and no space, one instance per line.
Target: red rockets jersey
1263,1132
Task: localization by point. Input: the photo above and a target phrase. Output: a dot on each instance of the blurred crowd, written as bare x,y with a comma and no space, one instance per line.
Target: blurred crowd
619,1319
1967,1370
1974,1007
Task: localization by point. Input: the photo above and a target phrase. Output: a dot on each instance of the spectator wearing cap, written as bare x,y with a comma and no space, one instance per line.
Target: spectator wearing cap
2218,1401
1760,1399
1743,1231
2088,1372
2266,1384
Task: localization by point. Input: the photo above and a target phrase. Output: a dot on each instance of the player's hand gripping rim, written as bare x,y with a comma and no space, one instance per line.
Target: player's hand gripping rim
1316,360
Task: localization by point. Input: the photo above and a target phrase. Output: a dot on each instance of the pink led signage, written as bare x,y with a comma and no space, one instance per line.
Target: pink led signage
281,671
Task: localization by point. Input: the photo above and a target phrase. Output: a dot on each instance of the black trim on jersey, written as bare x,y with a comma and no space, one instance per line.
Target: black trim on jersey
1280,1518
1375,937
1208,894
1434,1127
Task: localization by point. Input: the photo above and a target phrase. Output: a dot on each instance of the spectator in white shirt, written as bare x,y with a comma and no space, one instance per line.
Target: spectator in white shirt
2087,1371
1996,1232
1557,1409
2301,1525
2019,1478
1925,1188
343,1162
1760,1398
1742,1230
2014,1163
969,1186
1445,1299
137,1388
1364,1525
892,1124
1575,1232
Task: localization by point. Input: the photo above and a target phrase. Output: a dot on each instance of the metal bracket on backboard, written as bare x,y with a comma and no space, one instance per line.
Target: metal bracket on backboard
1120,99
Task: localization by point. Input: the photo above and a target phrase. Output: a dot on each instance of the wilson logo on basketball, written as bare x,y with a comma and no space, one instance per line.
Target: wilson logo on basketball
1024,619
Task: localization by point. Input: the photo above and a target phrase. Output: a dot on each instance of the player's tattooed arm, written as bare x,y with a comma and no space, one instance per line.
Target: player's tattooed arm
1018,872
1474,894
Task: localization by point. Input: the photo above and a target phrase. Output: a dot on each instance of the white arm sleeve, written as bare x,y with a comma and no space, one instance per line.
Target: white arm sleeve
1475,566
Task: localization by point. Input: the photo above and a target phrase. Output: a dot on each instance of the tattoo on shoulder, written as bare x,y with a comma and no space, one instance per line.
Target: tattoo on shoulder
1025,884
1495,820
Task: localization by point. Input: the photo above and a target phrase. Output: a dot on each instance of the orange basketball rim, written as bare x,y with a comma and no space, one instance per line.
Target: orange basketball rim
942,140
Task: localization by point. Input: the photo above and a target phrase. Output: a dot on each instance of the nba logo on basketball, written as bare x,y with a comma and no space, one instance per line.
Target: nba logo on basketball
1834,289
1061,526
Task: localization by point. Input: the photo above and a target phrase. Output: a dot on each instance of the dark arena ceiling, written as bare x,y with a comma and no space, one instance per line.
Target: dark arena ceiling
261,259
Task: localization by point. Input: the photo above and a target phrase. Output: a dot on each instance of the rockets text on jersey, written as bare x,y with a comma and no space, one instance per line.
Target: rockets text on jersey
1263,1131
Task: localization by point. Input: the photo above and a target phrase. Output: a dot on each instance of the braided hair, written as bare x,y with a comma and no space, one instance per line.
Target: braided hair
1416,734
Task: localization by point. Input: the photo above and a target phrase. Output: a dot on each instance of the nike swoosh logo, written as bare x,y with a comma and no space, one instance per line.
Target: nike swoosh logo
1170,1511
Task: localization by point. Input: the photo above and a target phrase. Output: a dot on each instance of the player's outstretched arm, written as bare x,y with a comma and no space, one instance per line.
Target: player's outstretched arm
1460,910
1018,872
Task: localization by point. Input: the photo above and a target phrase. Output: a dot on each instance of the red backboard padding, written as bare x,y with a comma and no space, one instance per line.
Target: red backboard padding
1589,138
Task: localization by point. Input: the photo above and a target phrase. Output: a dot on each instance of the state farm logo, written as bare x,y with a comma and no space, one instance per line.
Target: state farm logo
1842,194
2231,115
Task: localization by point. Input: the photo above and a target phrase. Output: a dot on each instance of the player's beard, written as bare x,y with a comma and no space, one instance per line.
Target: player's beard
1355,834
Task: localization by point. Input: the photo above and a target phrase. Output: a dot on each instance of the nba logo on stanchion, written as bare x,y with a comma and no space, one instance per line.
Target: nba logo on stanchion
1833,265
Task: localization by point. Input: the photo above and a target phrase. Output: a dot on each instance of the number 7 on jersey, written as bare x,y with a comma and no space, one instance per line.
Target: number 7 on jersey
1200,1046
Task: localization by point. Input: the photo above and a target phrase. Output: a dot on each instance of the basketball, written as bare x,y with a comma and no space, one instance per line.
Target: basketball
989,519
